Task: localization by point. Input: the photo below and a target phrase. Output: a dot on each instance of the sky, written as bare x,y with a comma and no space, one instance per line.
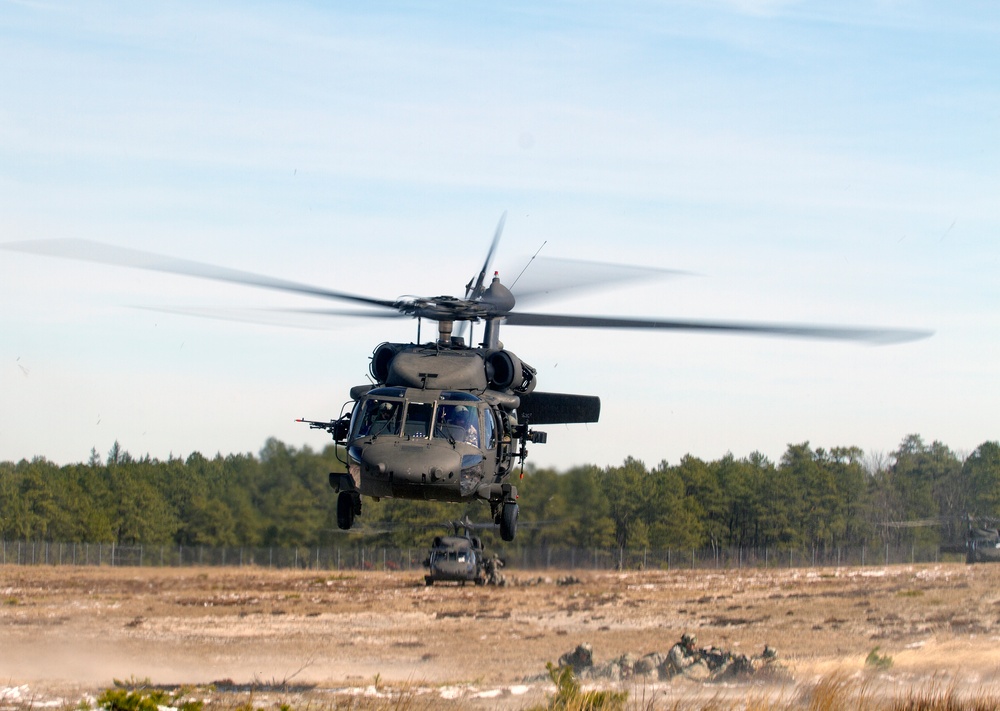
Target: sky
807,162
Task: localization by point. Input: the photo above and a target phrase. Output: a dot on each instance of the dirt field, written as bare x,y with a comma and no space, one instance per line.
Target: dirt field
69,632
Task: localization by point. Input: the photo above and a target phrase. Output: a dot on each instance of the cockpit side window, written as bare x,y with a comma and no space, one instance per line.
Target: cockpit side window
377,417
489,429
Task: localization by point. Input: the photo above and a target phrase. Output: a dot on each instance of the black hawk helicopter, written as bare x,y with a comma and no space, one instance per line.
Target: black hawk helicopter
461,558
982,540
445,420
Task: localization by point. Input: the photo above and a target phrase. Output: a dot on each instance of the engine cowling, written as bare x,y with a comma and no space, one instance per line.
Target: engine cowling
382,358
505,371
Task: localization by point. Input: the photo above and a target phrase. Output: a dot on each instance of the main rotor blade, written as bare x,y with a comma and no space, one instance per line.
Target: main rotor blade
551,277
473,293
87,250
273,317
875,336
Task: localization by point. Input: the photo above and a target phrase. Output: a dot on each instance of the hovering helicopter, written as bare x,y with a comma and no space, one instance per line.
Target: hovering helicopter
445,420
460,558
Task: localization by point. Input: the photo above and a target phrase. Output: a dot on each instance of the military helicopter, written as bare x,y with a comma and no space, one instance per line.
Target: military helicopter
445,420
459,557
982,540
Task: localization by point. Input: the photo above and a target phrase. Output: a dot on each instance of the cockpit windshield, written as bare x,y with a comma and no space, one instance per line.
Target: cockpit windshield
457,422
453,416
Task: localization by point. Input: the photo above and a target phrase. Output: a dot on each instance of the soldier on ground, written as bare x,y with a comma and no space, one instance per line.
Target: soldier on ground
581,658
685,658
492,566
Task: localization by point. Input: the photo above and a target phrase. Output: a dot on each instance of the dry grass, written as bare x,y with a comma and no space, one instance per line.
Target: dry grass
319,640
832,693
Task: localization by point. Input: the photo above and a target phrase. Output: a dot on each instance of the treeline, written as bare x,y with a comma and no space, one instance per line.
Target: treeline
919,494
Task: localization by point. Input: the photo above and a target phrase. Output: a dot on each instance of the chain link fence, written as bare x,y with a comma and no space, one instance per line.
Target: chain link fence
373,557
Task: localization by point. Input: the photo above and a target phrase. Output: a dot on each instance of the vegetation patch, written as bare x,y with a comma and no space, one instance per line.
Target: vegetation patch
570,696
136,695
881,662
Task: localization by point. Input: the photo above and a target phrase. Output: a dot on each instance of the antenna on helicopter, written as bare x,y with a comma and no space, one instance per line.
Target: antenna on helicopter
520,273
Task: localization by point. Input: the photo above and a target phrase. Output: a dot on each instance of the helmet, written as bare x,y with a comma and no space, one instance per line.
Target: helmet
458,416
688,640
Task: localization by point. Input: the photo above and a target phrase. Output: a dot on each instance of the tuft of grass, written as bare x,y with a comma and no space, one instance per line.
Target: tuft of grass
570,697
878,661
138,695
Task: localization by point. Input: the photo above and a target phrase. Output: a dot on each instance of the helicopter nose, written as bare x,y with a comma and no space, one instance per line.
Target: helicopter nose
396,465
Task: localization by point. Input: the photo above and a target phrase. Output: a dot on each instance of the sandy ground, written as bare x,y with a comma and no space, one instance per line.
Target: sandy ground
67,632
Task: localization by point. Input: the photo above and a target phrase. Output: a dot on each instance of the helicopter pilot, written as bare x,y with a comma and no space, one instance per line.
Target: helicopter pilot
381,419
458,423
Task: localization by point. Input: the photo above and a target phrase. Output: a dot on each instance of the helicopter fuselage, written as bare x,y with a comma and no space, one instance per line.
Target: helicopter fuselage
441,445
440,423
444,422
455,559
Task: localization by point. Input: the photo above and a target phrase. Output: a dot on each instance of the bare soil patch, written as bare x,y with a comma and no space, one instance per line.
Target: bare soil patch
70,631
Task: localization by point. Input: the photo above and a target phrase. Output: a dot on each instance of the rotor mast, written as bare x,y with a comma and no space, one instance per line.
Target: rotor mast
501,302
444,332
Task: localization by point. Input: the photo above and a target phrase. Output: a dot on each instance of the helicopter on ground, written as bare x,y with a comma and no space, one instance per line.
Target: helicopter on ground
461,558
982,540
445,420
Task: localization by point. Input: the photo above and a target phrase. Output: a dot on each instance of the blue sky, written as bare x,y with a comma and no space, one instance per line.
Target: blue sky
805,162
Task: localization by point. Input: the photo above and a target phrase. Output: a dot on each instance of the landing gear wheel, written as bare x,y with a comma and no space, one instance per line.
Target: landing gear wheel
345,510
508,521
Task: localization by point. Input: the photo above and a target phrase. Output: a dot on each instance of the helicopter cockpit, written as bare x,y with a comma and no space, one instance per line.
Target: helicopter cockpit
452,416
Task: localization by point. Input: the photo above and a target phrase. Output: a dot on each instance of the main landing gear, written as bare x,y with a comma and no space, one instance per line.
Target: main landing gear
505,513
348,506
508,521
348,500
